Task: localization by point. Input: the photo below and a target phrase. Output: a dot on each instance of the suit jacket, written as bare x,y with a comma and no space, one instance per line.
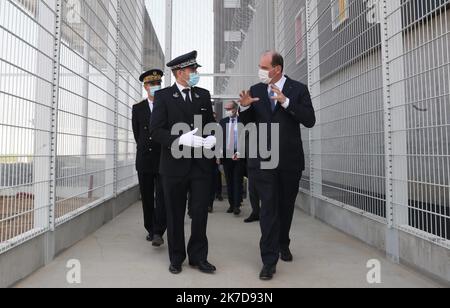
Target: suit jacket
148,151
171,109
300,111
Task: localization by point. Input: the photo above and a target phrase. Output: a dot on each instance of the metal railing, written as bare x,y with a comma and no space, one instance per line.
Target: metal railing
378,72
68,78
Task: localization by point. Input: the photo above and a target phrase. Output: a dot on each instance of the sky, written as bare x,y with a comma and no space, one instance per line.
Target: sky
193,29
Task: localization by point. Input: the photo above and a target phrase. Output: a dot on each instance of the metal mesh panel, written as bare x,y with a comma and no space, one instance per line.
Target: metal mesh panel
86,106
131,37
378,73
291,41
242,30
341,62
68,78
26,76
425,115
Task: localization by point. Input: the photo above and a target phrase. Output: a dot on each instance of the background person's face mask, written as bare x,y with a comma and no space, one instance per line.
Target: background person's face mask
153,90
229,113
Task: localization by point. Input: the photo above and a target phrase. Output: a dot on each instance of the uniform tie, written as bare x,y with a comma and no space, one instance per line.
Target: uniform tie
188,97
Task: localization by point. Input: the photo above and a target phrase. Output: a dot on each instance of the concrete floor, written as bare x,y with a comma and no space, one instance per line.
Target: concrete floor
117,255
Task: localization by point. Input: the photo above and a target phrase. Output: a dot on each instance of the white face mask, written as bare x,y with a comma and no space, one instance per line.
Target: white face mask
229,114
264,76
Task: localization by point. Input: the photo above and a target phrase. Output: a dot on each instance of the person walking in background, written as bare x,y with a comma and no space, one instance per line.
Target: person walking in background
147,161
232,163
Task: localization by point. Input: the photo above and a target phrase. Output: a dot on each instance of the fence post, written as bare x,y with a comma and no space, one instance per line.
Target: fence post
116,99
395,123
314,84
50,238
43,167
168,47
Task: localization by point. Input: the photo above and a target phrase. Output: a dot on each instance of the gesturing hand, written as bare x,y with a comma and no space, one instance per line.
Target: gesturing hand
246,99
279,96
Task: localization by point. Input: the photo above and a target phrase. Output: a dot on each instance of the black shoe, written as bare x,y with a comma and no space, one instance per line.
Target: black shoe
204,267
237,211
210,209
157,241
252,218
286,255
175,269
230,210
267,272
149,238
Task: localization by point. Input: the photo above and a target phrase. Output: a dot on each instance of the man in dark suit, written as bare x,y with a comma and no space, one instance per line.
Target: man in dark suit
254,199
232,163
287,103
216,192
147,161
182,104
253,193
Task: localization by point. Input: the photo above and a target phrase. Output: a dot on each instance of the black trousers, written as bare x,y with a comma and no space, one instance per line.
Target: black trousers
176,195
155,220
234,174
278,191
254,197
216,183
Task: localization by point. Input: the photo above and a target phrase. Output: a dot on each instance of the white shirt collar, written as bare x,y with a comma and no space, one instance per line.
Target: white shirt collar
280,84
181,88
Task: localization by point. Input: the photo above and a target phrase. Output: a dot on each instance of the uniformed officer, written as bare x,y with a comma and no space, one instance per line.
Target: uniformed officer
175,105
147,161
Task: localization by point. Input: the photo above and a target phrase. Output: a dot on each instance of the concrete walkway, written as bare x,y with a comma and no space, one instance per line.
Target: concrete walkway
117,255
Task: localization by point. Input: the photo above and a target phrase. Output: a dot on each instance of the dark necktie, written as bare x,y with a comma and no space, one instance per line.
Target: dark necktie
273,103
188,97
189,106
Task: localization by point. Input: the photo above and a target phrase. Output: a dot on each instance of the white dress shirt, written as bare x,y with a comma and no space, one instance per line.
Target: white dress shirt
280,85
150,103
235,132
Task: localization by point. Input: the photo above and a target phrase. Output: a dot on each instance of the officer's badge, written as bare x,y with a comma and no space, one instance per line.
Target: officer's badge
176,95
197,96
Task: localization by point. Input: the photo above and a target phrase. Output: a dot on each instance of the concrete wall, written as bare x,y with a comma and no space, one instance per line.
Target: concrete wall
420,254
21,261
